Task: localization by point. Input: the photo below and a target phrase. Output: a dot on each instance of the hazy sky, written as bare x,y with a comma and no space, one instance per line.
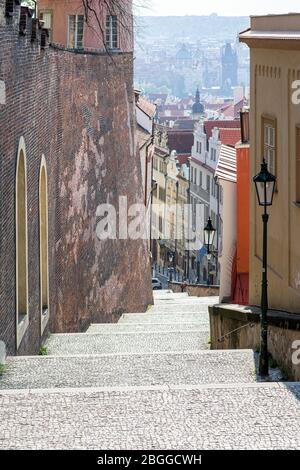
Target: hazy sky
222,7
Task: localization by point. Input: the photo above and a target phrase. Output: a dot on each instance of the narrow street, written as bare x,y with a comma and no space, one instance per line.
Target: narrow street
148,382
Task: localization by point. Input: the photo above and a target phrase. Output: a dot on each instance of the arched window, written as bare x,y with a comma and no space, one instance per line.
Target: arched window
21,245
44,269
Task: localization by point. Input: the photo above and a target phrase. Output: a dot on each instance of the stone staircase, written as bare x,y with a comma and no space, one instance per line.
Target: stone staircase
147,382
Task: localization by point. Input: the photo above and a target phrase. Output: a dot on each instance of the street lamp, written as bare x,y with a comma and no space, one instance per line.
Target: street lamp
171,257
265,187
209,236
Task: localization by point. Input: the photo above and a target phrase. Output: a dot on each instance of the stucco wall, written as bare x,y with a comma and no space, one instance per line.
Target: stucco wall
78,111
272,74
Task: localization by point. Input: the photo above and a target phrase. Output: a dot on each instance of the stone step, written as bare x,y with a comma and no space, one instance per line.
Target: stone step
114,343
238,416
158,295
124,327
155,317
187,301
177,368
181,308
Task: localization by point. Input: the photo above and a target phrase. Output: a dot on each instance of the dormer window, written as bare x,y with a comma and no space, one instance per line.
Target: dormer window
112,32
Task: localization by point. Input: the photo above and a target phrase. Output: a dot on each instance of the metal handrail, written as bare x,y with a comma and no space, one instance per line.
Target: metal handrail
222,339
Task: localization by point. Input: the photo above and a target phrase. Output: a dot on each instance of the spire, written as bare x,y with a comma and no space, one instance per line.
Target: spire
197,108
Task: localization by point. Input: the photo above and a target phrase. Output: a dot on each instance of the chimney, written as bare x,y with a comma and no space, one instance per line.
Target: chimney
245,125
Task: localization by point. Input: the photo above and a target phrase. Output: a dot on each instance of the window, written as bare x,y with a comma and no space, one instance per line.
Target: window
112,31
162,194
208,183
44,269
47,18
75,31
200,179
269,143
21,245
160,224
195,175
298,164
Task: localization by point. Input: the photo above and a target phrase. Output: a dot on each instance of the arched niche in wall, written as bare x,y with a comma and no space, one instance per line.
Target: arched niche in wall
22,313
44,257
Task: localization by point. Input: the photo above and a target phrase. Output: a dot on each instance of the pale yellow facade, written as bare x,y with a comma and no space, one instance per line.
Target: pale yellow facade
274,42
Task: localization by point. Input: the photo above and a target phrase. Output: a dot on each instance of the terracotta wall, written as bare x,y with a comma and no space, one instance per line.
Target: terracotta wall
93,31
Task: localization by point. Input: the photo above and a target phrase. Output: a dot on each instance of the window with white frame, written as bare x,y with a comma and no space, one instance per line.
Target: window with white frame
112,31
47,18
269,143
75,31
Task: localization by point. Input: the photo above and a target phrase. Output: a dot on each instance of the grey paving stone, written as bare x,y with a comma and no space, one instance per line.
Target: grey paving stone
129,370
179,308
127,342
146,328
167,318
237,417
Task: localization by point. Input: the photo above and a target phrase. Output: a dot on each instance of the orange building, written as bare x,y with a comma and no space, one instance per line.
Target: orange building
240,281
99,28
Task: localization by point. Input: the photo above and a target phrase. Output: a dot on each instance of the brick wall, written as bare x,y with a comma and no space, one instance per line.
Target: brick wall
77,110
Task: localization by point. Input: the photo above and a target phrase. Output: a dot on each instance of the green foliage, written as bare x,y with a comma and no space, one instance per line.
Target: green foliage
43,351
2,369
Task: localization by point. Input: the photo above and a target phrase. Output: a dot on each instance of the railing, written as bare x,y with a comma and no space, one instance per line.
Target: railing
227,336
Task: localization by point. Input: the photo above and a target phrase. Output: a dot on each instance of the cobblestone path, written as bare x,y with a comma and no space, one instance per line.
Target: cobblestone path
148,382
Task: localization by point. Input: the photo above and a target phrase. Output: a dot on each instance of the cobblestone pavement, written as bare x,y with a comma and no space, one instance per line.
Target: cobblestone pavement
147,327
128,342
148,382
177,368
257,416
157,317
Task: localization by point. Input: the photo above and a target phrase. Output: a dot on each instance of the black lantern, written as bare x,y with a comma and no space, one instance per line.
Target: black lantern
265,185
209,235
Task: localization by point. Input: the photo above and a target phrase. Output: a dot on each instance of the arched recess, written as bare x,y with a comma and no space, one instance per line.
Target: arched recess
44,257
22,313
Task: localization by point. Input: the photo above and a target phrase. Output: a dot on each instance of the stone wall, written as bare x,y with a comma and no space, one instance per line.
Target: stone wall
197,290
284,330
78,111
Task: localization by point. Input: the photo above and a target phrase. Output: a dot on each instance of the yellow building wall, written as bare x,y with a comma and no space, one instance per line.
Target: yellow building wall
272,74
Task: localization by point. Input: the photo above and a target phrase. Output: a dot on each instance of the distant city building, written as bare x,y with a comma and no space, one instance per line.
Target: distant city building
197,108
229,67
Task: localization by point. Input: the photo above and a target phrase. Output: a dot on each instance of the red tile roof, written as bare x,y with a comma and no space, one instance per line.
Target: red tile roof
147,107
230,124
181,141
230,136
182,158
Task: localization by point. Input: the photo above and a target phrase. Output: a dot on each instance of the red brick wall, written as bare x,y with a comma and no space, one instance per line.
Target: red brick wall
77,110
